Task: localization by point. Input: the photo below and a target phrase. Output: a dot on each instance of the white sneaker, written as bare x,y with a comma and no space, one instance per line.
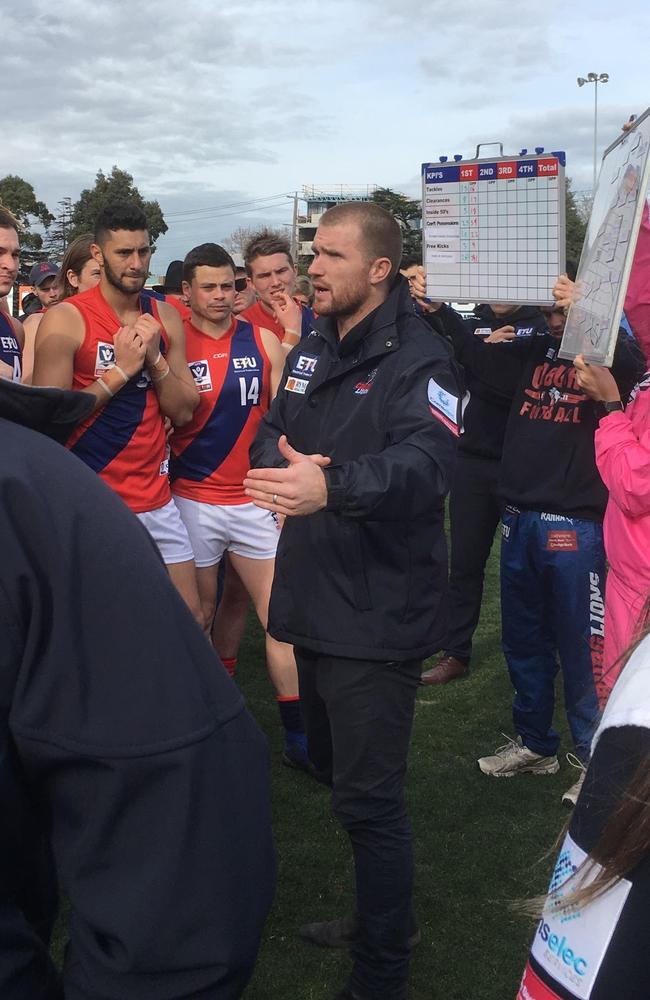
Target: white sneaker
570,797
514,758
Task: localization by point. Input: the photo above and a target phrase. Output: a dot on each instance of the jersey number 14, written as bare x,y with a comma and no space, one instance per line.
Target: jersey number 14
249,394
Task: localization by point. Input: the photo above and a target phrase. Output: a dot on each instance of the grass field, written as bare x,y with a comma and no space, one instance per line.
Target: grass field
480,843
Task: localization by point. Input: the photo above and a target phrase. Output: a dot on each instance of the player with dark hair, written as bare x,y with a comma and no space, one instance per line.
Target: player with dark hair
357,451
272,274
236,367
127,351
11,331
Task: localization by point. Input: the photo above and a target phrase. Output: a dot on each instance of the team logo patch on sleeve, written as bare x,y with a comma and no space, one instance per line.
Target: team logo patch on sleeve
104,358
201,374
443,406
482,331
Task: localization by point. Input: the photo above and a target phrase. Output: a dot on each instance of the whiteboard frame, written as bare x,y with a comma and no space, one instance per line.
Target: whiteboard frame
605,357
560,156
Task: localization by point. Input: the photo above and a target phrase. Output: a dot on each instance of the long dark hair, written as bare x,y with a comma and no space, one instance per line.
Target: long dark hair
76,256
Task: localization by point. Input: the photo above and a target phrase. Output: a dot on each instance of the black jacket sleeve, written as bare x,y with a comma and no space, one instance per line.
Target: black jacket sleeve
417,465
135,742
629,365
498,366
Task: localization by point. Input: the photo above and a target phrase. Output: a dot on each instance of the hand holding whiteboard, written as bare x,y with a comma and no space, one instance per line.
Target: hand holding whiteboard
597,303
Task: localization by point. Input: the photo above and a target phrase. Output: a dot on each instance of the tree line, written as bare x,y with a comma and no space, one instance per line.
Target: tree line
46,234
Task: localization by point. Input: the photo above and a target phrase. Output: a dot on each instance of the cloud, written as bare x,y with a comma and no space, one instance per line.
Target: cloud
104,84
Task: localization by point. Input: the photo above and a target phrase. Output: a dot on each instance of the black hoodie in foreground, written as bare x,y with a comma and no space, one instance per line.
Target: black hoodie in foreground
128,761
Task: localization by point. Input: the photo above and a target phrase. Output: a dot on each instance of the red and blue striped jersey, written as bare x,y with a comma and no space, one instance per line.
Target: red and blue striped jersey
124,441
10,351
209,457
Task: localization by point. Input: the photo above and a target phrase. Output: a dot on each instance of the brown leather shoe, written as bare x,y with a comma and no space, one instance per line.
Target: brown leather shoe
448,668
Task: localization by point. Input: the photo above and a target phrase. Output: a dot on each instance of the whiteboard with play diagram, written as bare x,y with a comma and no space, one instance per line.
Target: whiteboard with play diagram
595,314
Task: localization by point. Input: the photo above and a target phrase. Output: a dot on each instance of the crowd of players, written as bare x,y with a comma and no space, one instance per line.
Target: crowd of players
181,377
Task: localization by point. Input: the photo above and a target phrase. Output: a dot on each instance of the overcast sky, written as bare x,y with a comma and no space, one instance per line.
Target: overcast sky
220,110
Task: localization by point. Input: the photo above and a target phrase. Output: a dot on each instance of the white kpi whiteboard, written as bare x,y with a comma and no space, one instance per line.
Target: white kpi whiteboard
493,229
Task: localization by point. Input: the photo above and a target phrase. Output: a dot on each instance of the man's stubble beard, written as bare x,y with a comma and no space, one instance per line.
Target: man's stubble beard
113,280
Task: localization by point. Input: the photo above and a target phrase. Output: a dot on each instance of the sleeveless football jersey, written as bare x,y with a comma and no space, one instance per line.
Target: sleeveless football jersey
258,316
209,458
10,351
124,441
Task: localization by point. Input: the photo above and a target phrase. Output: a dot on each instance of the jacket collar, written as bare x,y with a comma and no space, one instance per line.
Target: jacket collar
377,332
54,412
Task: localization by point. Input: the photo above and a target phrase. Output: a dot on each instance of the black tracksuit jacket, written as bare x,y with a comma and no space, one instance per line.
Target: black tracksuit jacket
129,766
365,577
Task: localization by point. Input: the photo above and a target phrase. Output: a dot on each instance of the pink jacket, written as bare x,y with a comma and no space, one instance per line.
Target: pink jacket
623,459
623,444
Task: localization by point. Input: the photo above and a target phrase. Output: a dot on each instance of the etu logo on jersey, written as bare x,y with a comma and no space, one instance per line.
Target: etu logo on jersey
245,364
201,375
105,357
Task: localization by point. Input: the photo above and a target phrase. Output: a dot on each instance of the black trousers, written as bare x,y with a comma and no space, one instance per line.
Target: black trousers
358,716
474,514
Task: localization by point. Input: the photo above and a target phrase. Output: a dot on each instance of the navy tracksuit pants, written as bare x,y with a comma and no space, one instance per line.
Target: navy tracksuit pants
552,583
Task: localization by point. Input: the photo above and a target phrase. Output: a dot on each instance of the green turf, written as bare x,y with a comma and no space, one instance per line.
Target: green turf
479,842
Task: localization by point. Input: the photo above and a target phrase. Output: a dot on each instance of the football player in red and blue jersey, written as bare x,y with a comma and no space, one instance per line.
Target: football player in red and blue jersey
11,332
272,274
236,367
127,351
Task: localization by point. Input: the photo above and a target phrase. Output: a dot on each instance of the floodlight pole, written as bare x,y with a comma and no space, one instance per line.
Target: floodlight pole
594,78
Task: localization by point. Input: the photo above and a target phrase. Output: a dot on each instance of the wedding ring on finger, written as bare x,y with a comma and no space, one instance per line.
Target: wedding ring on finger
274,499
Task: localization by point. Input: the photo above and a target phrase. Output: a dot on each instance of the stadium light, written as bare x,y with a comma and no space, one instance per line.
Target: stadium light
594,78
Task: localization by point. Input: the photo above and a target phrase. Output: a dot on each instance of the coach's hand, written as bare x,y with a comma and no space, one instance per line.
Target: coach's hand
297,490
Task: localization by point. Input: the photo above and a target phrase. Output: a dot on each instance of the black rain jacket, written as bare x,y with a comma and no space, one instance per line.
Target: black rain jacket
365,578
129,766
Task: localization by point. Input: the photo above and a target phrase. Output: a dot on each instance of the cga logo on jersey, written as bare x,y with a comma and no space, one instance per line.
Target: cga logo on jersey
363,388
201,375
104,358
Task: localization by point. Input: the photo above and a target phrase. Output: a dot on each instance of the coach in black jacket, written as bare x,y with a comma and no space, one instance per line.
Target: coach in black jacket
128,762
357,451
